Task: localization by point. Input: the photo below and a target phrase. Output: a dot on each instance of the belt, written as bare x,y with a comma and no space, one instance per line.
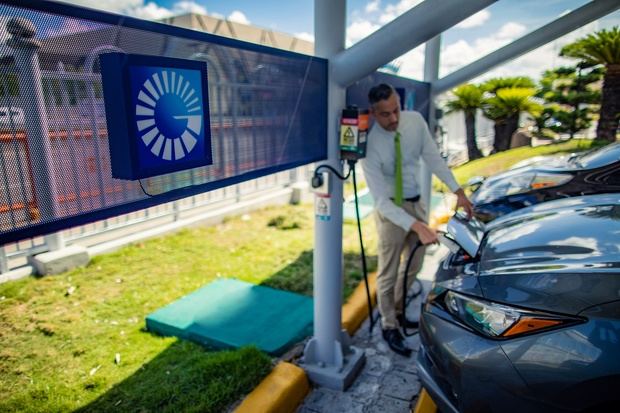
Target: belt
412,199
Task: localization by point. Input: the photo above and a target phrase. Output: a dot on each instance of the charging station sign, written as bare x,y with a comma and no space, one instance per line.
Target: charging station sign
353,133
157,111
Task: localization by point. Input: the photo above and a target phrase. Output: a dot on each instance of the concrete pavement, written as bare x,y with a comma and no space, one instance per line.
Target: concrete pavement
388,383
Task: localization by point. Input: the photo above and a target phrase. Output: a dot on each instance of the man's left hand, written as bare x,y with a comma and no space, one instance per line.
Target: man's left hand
463,202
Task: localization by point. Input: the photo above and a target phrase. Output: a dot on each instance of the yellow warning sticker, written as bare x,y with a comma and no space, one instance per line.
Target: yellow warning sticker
348,136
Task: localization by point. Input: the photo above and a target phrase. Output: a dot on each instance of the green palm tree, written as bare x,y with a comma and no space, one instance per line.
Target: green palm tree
504,108
494,84
468,99
602,48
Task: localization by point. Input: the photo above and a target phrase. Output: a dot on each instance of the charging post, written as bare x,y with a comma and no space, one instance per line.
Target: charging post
329,359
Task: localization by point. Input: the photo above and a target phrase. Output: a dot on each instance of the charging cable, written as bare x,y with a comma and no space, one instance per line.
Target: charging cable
317,178
317,181
362,253
405,301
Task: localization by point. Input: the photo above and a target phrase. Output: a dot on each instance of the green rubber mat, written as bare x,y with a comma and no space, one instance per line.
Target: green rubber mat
230,314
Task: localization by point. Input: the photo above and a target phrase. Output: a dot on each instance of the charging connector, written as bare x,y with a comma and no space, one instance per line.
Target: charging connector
321,183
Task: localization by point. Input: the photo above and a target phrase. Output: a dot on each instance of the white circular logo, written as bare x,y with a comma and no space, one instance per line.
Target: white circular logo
168,116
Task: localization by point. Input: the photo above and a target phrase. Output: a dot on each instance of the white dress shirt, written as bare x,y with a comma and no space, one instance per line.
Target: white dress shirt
379,165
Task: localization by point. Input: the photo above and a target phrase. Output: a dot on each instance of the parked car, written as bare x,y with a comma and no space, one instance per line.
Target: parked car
548,178
524,316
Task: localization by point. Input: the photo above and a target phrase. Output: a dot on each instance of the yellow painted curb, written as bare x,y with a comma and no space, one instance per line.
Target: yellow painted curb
280,392
355,311
283,390
425,404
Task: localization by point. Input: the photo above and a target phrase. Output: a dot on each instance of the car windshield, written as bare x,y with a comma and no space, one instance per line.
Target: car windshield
600,157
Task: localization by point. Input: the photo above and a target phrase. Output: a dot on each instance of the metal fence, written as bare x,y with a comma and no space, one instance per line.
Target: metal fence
16,254
71,126
75,113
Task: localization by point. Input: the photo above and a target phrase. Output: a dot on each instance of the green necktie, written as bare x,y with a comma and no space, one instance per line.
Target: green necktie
398,172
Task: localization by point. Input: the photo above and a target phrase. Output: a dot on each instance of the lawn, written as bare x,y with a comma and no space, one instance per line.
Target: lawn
76,341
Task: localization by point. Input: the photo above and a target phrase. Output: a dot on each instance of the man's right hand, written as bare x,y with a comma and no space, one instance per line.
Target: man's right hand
427,234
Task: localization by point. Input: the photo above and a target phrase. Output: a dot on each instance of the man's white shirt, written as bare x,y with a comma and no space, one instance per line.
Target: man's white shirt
416,143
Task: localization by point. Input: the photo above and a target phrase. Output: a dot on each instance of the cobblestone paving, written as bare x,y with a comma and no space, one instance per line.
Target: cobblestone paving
388,382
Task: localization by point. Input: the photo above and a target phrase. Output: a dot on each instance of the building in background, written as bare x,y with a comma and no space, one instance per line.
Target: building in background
240,31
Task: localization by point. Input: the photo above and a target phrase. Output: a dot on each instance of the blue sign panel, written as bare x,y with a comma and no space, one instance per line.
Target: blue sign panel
157,111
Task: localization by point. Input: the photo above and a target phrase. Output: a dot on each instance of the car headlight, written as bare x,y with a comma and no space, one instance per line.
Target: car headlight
497,320
548,180
517,184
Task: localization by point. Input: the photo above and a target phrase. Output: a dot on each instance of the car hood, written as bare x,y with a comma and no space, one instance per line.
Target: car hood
556,166
559,256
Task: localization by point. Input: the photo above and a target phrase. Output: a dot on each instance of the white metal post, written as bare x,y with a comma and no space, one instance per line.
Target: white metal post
55,241
329,359
4,261
431,73
27,61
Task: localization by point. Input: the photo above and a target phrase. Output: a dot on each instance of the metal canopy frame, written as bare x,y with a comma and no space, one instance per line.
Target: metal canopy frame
329,359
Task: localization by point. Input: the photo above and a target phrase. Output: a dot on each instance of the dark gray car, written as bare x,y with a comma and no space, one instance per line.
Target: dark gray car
525,317
595,172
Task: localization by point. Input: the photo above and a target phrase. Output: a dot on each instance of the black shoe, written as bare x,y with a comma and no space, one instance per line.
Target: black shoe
404,322
395,341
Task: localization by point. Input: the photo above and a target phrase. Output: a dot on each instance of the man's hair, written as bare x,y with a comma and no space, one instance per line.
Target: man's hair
380,92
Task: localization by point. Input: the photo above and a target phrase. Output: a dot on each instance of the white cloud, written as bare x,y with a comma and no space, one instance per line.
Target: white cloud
534,63
511,30
462,52
149,11
238,17
305,36
475,20
182,7
412,63
372,6
360,29
116,6
141,8
392,11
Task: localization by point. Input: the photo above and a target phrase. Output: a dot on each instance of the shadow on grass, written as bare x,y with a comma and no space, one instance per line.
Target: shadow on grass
189,378
297,276
186,378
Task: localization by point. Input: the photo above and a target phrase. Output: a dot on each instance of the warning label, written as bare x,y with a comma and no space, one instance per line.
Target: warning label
321,208
348,136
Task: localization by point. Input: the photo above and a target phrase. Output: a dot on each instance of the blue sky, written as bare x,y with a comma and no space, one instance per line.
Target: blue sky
497,25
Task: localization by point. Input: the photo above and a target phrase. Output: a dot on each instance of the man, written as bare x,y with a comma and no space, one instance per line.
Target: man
396,144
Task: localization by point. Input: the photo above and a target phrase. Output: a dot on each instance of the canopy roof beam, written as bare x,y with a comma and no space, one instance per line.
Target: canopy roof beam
416,26
558,28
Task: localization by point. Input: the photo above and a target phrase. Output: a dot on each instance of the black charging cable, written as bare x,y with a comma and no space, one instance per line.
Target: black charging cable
407,300
362,253
317,179
413,296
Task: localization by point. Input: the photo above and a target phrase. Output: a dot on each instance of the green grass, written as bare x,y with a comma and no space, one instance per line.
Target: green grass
58,350
501,161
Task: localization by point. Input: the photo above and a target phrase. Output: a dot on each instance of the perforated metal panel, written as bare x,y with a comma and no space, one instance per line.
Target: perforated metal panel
267,113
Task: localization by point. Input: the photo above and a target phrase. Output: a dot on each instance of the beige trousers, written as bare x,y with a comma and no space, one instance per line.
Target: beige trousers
394,243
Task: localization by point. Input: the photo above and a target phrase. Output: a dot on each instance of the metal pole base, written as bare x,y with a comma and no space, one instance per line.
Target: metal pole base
339,375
